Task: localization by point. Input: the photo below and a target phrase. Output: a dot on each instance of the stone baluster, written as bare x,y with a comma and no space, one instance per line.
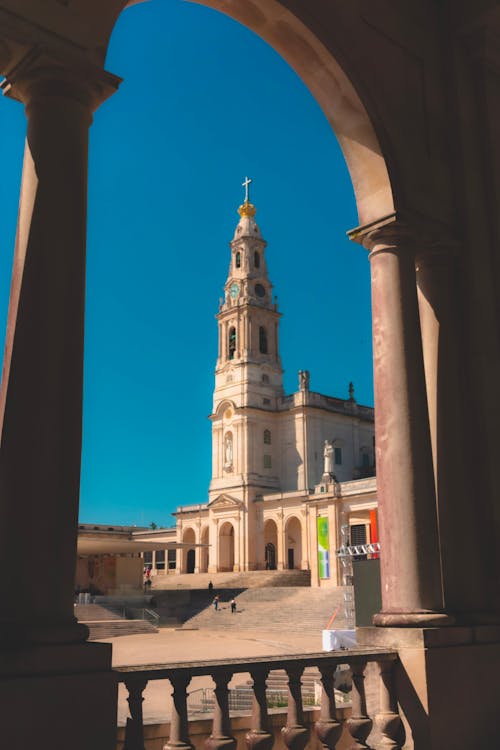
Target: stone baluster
328,729
359,724
259,737
221,738
134,733
295,735
179,728
388,720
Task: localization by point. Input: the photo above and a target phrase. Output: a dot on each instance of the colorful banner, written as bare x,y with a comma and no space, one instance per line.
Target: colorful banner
323,549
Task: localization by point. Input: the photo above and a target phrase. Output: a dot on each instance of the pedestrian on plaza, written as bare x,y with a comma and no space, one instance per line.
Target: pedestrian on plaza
210,586
233,606
216,602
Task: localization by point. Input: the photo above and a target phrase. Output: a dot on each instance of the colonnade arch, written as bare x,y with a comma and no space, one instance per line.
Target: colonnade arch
403,431
270,544
226,547
189,553
293,543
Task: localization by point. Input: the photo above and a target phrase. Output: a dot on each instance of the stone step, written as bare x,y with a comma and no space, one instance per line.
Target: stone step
102,630
94,612
296,609
248,579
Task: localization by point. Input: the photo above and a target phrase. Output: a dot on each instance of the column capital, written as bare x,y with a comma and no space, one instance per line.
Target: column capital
39,76
388,231
427,238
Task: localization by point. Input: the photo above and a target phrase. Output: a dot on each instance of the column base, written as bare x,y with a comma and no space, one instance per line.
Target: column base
434,666
58,697
412,619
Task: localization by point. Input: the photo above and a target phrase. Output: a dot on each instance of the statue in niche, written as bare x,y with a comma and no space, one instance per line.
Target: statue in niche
304,380
228,450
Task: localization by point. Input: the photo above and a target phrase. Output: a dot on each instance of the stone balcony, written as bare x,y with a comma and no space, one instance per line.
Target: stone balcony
334,728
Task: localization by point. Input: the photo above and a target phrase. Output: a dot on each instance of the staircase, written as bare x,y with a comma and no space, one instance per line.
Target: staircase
106,622
246,580
281,609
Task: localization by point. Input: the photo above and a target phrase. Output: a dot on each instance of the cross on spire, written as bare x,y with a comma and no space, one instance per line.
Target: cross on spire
246,185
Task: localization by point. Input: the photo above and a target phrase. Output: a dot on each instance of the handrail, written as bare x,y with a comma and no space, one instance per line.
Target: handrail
236,665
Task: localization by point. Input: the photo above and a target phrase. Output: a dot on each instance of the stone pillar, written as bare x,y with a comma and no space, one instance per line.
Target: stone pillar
67,682
295,735
468,579
280,541
41,396
410,556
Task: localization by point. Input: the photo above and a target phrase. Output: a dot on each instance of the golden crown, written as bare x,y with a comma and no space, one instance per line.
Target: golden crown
247,209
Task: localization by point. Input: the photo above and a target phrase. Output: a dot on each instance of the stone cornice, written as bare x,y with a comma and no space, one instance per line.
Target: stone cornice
38,75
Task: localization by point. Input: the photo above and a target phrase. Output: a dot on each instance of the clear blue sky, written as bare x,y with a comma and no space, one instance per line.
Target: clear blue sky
204,102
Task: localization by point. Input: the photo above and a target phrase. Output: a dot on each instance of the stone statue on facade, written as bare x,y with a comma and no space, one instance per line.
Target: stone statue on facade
304,380
228,450
328,454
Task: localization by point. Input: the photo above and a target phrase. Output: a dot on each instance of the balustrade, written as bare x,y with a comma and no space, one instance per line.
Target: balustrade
328,728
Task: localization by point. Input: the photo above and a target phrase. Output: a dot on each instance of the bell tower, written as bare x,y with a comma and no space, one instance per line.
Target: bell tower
248,385
248,369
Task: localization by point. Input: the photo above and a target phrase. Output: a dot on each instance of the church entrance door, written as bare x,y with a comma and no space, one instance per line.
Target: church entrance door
291,563
190,561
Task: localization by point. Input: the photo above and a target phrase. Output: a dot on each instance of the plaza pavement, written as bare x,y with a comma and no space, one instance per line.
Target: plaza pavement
169,646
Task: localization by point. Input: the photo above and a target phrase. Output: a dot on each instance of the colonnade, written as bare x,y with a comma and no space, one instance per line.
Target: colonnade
41,397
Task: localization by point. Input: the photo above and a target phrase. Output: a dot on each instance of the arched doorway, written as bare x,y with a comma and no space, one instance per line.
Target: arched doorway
293,543
270,544
270,556
226,547
204,550
188,554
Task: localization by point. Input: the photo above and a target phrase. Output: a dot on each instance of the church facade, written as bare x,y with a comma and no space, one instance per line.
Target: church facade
292,475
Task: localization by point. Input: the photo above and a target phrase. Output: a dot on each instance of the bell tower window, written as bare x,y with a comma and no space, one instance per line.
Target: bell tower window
256,259
262,340
237,260
232,342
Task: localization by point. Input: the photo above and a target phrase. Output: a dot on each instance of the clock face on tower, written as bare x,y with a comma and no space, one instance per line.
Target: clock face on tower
233,290
260,291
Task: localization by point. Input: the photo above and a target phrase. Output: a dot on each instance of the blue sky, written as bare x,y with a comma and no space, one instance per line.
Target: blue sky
204,102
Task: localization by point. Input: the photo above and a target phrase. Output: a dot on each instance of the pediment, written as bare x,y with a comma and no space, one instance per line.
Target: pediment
225,501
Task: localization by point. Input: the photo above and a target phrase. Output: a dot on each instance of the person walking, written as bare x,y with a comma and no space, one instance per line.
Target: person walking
216,602
233,606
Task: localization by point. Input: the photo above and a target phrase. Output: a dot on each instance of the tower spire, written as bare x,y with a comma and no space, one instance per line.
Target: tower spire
246,185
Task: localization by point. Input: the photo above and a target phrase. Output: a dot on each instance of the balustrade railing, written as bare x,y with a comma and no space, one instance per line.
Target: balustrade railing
295,734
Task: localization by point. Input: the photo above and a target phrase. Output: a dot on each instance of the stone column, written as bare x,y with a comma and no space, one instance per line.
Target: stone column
280,539
41,395
410,556
468,579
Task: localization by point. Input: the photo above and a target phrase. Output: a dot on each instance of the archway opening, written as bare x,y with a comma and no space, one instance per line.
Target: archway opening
270,545
293,537
226,547
188,554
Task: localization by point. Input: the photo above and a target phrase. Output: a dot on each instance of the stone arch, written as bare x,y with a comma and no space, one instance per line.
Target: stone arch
293,543
204,539
334,91
188,553
226,547
270,544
